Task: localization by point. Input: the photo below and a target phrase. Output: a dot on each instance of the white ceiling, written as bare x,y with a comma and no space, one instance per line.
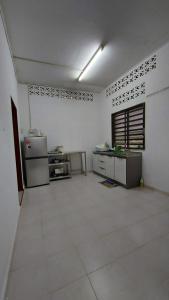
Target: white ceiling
54,39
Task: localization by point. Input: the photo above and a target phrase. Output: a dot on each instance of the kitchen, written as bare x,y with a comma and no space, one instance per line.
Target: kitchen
92,221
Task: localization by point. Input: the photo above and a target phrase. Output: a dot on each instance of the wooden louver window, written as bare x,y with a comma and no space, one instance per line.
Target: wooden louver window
128,128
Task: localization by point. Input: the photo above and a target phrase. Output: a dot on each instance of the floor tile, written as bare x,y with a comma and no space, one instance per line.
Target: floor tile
111,282
28,217
94,212
104,226
79,290
95,255
103,251
29,231
63,269
120,242
119,236
28,252
28,283
82,234
148,267
149,229
56,243
74,220
130,215
53,225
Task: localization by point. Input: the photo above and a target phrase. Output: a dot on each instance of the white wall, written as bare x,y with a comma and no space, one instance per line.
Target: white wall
74,124
23,109
9,203
82,125
155,155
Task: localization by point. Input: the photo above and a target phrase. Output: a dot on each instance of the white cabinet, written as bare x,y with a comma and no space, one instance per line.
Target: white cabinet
95,163
120,170
101,164
125,170
110,167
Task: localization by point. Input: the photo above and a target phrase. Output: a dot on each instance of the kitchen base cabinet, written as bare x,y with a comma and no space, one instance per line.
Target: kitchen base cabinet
95,163
133,171
126,170
120,170
110,167
103,165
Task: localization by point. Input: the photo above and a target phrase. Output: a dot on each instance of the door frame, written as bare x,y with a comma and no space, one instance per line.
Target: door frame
17,149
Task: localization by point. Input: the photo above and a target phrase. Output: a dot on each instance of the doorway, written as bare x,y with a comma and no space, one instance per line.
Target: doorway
17,150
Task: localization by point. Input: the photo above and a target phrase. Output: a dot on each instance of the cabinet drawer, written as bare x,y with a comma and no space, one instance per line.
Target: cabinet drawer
101,170
99,164
102,161
95,163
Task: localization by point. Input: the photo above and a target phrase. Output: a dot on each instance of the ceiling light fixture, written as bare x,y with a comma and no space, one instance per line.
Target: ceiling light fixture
90,63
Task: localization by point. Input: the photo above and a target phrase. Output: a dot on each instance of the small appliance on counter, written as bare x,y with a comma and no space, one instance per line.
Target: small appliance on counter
35,160
35,132
58,149
102,147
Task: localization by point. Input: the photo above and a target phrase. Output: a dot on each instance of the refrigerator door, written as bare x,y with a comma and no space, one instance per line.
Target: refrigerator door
37,172
35,146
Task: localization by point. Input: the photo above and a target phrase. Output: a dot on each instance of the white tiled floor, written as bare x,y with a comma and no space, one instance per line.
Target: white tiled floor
78,240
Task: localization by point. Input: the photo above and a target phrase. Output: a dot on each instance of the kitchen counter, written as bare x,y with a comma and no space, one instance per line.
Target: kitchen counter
124,168
123,154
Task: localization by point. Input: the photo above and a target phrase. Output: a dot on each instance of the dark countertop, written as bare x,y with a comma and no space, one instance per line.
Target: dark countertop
124,154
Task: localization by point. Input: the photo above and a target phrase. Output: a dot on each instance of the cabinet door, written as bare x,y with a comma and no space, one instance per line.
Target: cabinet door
37,172
120,170
101,170
110,167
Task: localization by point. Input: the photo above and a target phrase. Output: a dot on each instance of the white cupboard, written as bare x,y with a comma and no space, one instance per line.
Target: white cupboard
110,167
126,170
120,169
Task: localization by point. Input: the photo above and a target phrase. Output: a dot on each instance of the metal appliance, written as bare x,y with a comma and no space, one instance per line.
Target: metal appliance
36,160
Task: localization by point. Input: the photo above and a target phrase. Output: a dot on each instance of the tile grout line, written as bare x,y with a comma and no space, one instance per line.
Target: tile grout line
73,281
86,274
127,254
92,288
116,230
137,222
67,285
97,269
100,237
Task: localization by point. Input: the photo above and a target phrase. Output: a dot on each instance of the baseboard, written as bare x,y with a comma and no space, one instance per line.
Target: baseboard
7,275
3,293
155,189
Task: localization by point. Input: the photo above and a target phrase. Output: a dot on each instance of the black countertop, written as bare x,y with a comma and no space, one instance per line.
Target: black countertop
123,154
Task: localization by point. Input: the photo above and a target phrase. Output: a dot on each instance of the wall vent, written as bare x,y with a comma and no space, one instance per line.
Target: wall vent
130,95
66,94
147,66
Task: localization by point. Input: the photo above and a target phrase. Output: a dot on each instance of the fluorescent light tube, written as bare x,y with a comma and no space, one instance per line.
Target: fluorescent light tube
90,63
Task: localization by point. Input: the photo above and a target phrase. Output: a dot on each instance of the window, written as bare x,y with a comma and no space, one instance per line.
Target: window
128,128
